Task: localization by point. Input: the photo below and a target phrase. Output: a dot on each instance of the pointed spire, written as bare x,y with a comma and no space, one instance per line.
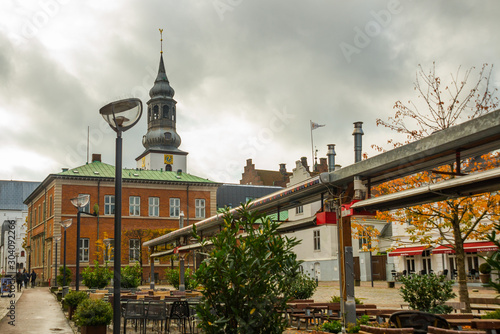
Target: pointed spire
162,85
161,41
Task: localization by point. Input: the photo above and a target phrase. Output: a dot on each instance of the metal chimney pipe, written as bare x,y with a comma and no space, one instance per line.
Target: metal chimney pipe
331,157
358,143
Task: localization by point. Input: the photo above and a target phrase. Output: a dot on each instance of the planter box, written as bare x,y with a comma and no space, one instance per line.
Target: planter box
94,329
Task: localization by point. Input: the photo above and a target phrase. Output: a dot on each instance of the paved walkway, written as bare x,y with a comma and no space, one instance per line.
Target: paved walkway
36,311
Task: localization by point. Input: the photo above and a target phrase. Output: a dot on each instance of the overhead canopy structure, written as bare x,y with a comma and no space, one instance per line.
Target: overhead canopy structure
469,139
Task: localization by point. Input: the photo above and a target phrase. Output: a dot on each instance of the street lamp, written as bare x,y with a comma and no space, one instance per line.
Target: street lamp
79,202
120,115
65,224
56,239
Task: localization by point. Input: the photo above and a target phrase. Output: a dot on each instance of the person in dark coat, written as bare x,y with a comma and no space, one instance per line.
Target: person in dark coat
19,280
33,278
26,278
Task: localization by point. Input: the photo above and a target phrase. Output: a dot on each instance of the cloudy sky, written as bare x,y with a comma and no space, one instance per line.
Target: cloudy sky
249,75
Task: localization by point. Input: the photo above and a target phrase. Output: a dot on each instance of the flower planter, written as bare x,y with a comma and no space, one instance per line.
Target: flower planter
485,278
94,329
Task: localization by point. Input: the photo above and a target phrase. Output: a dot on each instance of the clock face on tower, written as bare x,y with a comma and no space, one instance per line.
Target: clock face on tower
168,158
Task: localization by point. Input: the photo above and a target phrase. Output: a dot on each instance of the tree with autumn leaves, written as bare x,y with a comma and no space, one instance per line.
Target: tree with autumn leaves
141,234
455,220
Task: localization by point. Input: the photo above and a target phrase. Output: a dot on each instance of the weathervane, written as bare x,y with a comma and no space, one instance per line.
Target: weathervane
161,40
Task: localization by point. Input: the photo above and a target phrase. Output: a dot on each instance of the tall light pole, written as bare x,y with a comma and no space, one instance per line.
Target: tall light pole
79,202
56,239
65,224
121,115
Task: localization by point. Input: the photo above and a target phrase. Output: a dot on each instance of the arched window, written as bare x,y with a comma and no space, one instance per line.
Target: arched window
165,111
149,113
168,168
155,112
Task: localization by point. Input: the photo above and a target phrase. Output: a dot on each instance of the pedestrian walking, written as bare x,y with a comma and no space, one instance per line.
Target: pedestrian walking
19,280
33,278
26,278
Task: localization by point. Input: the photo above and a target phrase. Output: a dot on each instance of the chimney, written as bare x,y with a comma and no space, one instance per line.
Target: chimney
331,157
358,145
303,161
283,169
96,157
323,166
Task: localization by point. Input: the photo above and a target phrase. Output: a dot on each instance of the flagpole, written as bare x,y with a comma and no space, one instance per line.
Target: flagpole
312,146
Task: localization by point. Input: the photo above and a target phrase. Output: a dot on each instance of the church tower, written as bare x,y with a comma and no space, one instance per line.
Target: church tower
162,140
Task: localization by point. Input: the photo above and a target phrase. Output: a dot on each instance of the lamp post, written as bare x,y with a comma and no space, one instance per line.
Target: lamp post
65,224
79,202
120,115
56,239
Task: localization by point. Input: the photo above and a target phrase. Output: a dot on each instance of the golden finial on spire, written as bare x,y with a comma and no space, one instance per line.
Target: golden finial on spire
161,40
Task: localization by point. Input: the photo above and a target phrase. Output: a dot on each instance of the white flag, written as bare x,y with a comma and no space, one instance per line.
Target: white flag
314,126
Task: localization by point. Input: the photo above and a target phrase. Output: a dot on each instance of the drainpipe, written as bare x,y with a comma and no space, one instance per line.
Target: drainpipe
331,157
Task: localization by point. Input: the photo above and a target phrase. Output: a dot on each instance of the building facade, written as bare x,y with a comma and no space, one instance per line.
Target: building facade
13,228
151,200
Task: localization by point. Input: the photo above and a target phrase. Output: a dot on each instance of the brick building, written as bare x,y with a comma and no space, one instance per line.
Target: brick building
150,200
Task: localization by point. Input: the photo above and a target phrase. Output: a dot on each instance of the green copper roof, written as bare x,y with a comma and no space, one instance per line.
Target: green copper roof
99,169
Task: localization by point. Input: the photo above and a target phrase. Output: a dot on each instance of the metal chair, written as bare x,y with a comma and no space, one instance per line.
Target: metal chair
157,311
180,311
134,310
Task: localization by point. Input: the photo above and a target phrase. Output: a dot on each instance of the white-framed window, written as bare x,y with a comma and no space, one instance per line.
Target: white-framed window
109,204
316,240
134,205
199,204
85,208
84,249
109,251
175,207
299,209
134,247
154,206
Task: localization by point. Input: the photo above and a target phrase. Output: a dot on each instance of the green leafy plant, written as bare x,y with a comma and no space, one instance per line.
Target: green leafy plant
60,277
97,277
74,298
247,276
491,315
172,278
336,299
93,312
303,287
485,268
131,276
426,292
336,326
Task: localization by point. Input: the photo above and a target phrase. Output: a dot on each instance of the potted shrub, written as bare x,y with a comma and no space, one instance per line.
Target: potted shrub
93,316
484,272
73,299
97,277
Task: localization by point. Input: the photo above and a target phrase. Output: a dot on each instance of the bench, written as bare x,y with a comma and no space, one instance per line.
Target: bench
484,304
379,330
488,325
436,330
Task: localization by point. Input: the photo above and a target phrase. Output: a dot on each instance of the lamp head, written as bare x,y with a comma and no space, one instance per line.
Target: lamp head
80,201
66,223
123,114
57,237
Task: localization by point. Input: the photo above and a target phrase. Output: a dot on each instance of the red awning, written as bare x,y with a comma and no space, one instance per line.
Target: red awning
469,247
407,251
